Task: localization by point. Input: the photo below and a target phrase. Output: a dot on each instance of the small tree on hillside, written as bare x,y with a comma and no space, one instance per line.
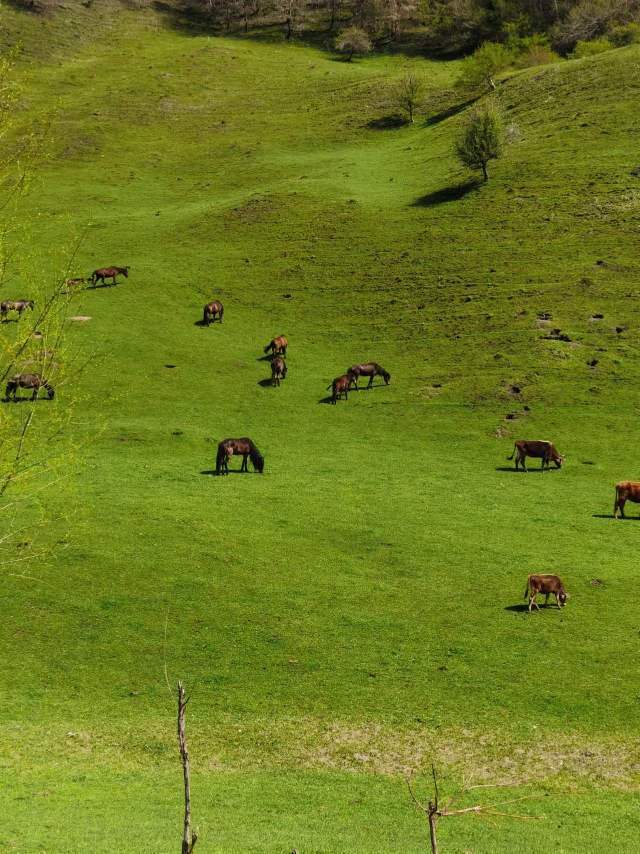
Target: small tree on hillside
479,70
353,41
481,139
408,94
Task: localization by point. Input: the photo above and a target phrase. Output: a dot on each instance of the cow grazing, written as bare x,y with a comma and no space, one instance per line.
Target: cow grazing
545,584
626,490
546,451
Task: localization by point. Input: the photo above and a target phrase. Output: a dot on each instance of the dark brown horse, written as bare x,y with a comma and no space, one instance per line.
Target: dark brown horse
105,273
33,381
18,305
211,311
239,447
340,386
278,346
278,370
371,370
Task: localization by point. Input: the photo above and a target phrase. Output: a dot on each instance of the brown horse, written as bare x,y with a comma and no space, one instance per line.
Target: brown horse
33,381
278,370
105,273
340,386
211,311
240,447
278,346
18,305
371,370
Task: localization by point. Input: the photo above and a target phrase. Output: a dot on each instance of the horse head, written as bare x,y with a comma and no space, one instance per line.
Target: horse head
125,272
257,460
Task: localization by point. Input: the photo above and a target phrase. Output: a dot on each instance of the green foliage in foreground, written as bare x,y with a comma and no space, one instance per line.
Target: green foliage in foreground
353,613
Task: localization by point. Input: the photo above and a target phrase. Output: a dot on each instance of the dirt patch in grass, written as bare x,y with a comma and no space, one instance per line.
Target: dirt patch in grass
366,747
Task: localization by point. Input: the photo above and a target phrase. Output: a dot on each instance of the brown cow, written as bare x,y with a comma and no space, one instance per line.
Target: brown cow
626,490
340,386
545,584
536,448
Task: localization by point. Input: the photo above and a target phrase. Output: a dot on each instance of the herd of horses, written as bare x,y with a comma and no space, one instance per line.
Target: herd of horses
340,387
36,381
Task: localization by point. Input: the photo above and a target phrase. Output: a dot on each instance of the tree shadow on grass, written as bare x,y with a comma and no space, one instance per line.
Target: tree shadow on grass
449,112
446,194
392,122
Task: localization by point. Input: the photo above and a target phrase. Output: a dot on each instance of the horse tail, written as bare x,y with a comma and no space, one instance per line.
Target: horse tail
205,314
221,312
514,450
268,347
526,589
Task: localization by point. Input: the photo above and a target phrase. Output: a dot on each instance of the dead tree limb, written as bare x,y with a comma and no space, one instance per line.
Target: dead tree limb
434,811
189,838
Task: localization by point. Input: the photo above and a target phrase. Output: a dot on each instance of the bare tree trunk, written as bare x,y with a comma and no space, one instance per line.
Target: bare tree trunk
433,817
189,839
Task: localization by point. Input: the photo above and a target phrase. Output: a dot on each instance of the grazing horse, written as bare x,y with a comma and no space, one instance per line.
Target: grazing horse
108,273
278,346
371,370
211,311
240,447
18,305
34,381
278,370
340,386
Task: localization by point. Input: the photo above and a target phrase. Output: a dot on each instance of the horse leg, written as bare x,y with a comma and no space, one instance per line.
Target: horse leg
35,393
245,464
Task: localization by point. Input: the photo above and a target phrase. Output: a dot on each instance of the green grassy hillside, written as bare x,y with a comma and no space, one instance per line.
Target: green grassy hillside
356,612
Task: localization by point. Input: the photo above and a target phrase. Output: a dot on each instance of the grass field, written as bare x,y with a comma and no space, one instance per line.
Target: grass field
356,612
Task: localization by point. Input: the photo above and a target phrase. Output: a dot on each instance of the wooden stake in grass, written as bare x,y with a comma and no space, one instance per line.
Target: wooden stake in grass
189,839
434,811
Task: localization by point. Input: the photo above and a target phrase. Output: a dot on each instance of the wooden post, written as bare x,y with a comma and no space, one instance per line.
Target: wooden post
189,839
